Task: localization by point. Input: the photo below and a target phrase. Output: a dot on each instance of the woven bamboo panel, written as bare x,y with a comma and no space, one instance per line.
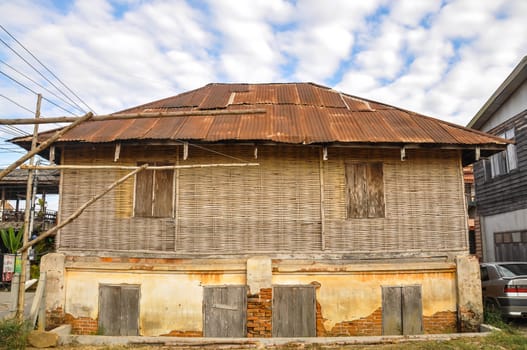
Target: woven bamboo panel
424,204
261,209
274,207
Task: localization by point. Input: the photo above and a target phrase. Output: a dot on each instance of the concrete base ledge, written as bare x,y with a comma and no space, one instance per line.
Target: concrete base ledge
256,342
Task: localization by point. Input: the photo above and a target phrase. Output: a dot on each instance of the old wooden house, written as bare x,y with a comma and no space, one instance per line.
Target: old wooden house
501,180
353,221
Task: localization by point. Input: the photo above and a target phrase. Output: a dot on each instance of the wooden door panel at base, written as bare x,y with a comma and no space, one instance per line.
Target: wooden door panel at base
294,311
225,311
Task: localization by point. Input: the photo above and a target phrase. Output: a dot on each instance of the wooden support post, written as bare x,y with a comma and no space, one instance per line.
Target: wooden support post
403,153
2,204
255,152
52,154
38,301
478,153
44,145
322,209
27,215
79,211
15,283
185,150
117,152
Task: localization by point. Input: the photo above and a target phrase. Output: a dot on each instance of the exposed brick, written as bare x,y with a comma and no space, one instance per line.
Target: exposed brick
259,314
82,325
175,333
441,322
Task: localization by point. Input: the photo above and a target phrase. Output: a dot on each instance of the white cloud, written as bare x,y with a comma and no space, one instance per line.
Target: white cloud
435,57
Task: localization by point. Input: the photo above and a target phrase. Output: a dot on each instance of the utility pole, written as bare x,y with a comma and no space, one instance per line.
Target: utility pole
27,214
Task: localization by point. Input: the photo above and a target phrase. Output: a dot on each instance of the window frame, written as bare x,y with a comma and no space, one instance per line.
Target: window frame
155,211
371,196
506,161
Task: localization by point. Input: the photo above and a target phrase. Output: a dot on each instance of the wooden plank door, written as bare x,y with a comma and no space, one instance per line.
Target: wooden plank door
225,311
294,311
412,310
119,309
392,321
402,311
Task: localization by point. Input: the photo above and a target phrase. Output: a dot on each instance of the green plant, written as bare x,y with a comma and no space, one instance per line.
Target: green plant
12,239
492,316
13,334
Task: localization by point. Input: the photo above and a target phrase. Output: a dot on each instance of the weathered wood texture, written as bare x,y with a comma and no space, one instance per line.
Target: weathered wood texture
505,192
272,208
402,310
511,246
119,310
294,311
225,311
364,190
392,321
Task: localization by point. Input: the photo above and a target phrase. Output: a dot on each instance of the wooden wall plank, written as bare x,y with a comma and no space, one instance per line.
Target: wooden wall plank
225,311
163,191
412,310
391,311
294,311
110,310
143,193
129,310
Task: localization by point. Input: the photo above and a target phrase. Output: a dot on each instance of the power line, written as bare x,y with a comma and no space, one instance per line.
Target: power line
42,64
18,104
33,91
36,70
40,85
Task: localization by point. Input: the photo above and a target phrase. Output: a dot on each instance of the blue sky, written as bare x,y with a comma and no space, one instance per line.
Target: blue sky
439,58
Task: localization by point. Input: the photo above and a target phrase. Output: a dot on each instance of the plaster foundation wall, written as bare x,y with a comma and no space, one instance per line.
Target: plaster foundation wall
351,297
171,296
167,301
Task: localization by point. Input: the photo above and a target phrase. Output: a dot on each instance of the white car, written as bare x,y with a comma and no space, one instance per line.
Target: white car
504,288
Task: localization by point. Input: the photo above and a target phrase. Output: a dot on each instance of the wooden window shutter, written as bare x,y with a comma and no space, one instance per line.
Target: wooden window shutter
143,193
154,191
163,191
364,190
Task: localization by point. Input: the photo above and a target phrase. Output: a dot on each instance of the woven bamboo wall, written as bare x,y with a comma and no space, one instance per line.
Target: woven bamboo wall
274,207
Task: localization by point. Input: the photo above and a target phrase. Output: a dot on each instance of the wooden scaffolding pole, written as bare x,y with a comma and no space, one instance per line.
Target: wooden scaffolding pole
79,211
116,116
132,167
27,214
44,145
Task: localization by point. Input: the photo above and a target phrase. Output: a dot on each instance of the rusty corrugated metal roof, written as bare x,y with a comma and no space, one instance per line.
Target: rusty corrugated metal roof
295,113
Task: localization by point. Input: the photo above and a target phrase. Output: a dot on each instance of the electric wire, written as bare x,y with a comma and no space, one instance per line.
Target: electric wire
213,151
45,67
36,70
18,104
41,86
33,91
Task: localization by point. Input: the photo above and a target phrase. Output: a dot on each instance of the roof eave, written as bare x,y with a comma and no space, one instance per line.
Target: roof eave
501,95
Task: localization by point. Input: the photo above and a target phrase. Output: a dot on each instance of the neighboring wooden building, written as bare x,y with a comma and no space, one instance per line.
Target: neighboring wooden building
501,180
13,188
353,223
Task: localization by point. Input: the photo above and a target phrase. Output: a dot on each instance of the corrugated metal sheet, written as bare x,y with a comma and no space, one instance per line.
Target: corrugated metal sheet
295,113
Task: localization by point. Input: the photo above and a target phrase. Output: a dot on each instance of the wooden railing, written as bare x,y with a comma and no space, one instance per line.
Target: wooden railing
48,216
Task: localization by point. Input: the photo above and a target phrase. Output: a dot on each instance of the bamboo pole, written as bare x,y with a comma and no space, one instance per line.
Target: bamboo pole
79,211
44,144
27,214
133,167
116,116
